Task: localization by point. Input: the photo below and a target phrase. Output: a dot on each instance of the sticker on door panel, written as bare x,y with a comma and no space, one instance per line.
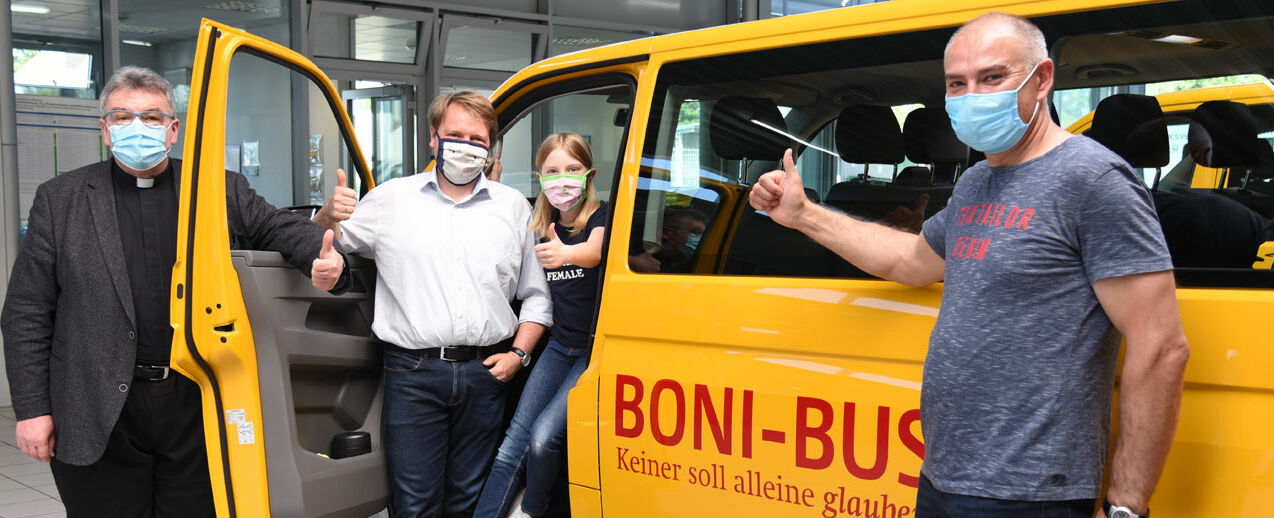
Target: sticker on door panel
236,415
246,434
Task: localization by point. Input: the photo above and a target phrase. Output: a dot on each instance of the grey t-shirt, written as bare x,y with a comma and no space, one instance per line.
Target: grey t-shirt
1018,379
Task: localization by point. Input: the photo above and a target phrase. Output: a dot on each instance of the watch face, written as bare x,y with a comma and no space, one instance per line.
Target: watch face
1121,513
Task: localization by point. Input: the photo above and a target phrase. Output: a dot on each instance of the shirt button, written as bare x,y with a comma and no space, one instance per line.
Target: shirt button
132,335
123,387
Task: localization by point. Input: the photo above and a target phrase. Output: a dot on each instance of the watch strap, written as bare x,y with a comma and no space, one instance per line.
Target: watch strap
522,355
1107,509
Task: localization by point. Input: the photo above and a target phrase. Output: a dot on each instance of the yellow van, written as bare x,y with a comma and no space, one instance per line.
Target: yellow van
755,374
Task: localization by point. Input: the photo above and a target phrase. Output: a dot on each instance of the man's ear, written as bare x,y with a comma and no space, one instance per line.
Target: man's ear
1046,73
176,128
106,134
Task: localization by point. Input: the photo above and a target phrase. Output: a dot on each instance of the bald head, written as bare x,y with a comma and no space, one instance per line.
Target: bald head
1031,46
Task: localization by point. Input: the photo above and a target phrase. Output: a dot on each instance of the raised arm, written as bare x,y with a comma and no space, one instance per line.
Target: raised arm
876,249
1143,307
338,208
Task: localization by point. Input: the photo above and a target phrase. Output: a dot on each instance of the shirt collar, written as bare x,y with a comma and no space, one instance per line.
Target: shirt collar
431,182
122,178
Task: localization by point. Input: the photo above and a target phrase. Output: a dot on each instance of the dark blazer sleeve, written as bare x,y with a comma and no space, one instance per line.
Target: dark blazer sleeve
262,226
27,319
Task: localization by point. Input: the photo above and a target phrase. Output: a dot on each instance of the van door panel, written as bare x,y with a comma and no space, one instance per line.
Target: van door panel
324,379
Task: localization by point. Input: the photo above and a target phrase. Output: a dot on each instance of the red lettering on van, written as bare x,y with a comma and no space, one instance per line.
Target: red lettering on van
912,442
679,427
818,432
882,444
624,405
705,411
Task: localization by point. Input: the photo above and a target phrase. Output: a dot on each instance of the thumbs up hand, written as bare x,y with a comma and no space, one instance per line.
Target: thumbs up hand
340,206
552,253
780,193
327,267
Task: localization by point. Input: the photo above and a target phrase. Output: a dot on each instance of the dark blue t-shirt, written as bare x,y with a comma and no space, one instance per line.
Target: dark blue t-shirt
574,288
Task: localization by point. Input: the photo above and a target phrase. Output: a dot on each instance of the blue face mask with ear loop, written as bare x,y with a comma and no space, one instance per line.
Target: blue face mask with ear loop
138,146
990,122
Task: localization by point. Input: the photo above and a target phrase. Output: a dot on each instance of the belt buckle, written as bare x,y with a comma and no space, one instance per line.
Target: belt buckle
442,354
161,377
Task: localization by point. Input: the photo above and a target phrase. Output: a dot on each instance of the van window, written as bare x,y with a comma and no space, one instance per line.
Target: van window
876,106
599,114
719,123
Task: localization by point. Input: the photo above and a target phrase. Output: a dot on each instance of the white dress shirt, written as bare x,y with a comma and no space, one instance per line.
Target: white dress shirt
447,270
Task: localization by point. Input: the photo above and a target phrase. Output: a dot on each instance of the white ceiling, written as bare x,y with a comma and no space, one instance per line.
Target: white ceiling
147,20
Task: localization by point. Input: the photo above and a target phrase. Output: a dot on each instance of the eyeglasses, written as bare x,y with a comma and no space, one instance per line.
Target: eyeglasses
151,118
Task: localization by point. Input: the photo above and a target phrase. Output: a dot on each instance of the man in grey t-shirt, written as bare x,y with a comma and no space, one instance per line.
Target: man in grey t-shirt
1049,250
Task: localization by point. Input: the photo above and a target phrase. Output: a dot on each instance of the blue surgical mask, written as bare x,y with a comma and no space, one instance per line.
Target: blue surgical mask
692,243
990,122
138,146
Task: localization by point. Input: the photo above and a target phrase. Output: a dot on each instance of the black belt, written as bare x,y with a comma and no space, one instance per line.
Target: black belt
451,353
150,372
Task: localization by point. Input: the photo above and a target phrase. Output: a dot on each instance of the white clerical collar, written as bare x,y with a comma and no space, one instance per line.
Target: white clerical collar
145,183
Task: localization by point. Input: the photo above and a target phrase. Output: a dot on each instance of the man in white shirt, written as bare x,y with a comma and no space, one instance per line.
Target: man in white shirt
452,250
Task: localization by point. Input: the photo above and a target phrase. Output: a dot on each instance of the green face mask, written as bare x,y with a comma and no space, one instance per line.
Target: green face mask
565,191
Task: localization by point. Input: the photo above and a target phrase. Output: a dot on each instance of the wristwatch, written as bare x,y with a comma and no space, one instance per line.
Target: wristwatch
526,360
1116,511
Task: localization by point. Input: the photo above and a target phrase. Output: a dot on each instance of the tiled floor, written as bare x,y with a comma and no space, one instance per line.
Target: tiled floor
26,486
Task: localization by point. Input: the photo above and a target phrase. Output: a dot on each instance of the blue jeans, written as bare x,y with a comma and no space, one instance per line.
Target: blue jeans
933,503
442,423
536,436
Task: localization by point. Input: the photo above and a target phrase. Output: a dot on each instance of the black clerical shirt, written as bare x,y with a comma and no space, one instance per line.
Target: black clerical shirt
148,231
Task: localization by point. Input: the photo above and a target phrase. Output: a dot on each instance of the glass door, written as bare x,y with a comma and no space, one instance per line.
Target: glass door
384,118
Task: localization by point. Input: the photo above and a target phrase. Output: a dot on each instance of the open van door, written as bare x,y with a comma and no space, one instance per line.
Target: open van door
284,368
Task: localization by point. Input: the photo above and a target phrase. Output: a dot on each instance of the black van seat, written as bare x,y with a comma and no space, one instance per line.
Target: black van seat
1233,132
869,134
928,139
735,137
1133,126
914,176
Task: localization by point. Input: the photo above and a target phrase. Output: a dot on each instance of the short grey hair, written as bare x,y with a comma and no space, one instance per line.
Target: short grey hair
138,78
1034,47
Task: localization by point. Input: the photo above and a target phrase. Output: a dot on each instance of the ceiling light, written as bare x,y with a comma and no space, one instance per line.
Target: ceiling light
29,9
141,29
1179,39
139,43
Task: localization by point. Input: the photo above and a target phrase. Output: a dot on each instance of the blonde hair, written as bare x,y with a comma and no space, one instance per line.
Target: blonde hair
578,149
472,102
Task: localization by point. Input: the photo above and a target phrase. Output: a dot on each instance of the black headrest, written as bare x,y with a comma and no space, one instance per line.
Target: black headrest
1133,127
1232,130
868,134
734,135
914,176
928,138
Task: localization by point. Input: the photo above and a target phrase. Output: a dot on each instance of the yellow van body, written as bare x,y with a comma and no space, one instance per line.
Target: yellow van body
710,393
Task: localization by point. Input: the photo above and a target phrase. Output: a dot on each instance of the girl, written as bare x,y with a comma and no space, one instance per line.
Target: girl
569,219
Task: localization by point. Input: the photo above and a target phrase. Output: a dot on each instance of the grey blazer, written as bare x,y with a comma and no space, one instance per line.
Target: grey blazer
70,340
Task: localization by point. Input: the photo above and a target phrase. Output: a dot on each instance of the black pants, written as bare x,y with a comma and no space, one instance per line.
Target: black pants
155,464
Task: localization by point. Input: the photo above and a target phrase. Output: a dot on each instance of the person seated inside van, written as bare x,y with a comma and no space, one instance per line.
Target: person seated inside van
1205,229
679,238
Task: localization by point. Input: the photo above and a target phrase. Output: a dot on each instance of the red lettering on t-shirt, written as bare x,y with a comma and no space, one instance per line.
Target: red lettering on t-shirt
1026,218
1013,214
